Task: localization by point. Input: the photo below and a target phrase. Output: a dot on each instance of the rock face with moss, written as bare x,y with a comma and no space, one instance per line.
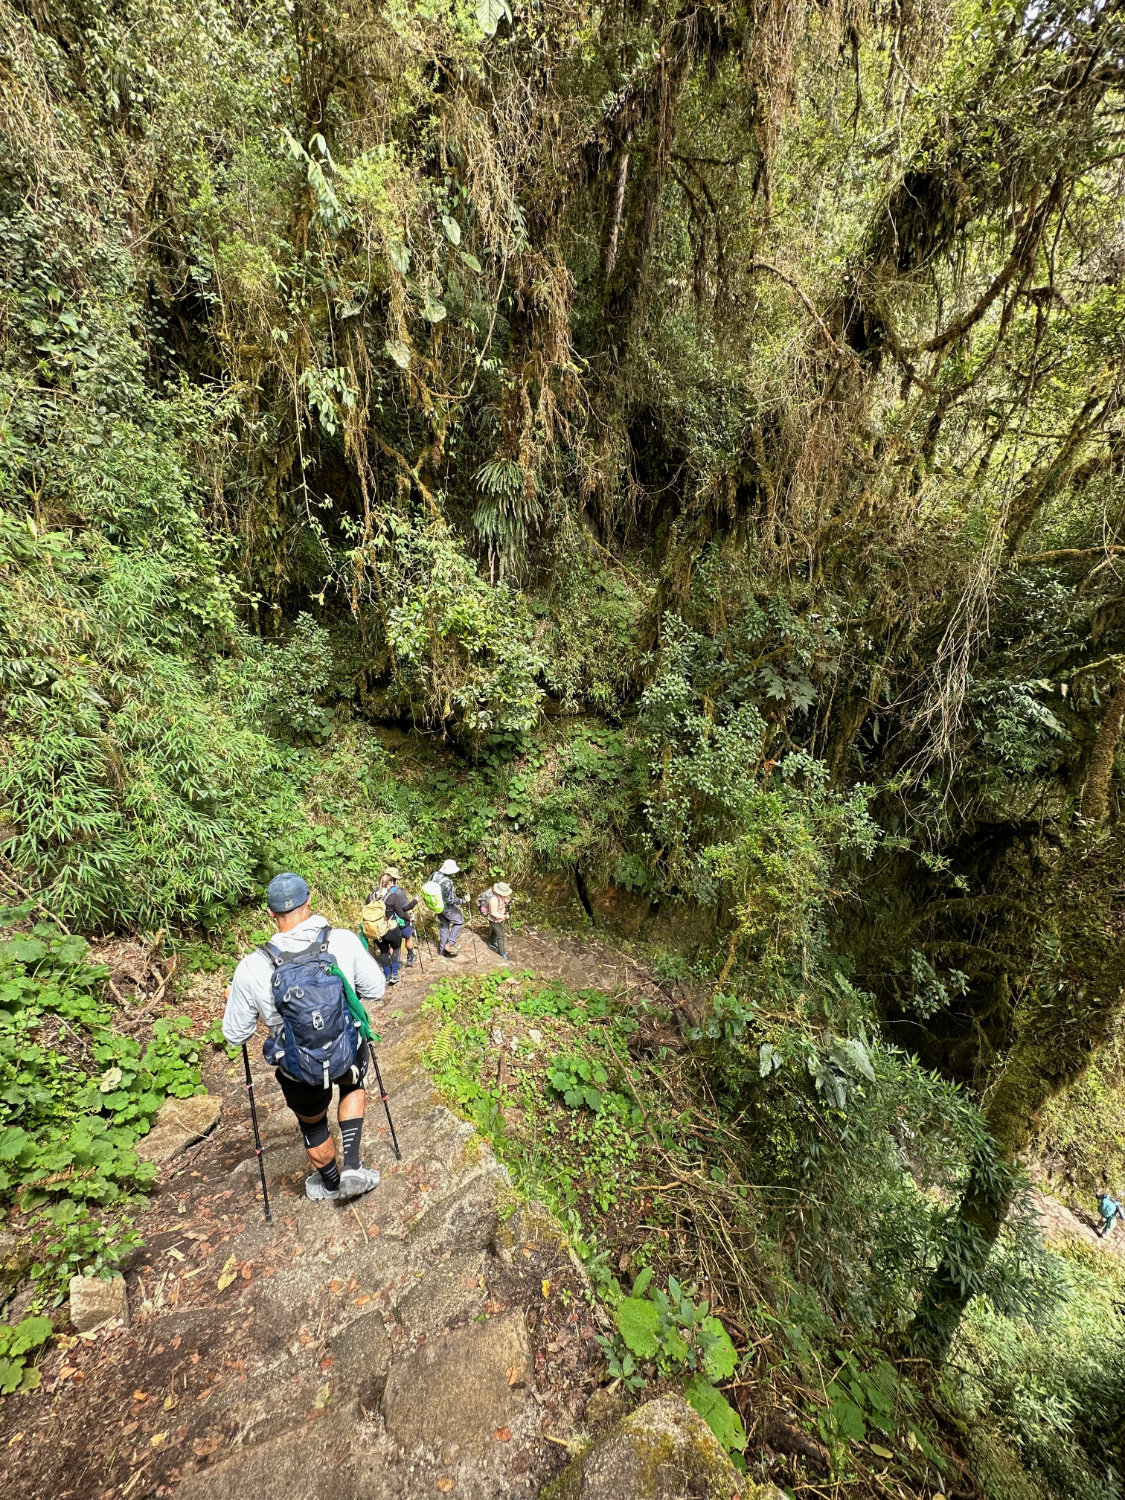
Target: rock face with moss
662,1451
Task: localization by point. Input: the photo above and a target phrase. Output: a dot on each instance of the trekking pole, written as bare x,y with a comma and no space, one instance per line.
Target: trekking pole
257,1137
386,1106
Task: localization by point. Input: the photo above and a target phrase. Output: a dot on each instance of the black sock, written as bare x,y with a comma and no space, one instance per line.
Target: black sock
350,1132
330,1176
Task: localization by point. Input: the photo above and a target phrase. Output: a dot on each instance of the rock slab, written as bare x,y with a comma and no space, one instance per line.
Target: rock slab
451,1393
94,1301
179,1123
662,1451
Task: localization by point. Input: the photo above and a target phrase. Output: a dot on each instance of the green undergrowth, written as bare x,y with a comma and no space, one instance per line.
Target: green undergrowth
1080,1140
1052,1386
590,1101
75,1097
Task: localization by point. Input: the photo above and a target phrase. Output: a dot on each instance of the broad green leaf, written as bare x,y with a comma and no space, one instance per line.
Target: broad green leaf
490,13
769,1059
399,351
471,261
25,950
638,1323
716,1411
720,1358
13,1139
452,229
847,1416
29,1334
433,309
640,1286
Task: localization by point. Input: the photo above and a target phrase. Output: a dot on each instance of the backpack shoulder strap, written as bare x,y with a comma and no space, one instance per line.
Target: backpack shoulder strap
322,941
270,953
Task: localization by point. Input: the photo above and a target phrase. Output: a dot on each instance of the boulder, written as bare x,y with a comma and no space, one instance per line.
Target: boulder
94,1301
449,1291
310,1463
662,1451
361,1357
451,1393
179,1123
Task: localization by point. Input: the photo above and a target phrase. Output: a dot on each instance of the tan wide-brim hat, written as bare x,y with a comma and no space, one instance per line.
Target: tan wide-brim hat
502,888
392,872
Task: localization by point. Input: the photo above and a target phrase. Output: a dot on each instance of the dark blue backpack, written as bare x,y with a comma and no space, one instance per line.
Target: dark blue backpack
320,1039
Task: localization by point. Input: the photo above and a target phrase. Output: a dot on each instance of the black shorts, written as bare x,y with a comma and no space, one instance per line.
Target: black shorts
310,1100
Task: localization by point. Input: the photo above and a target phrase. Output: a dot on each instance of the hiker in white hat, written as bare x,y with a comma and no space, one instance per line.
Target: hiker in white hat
450,918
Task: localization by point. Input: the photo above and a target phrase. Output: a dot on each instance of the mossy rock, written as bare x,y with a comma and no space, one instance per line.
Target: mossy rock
15,1263
531,1223
662,1451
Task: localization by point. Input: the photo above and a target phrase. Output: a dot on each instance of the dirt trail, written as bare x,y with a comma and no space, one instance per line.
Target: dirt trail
1056,1222
416,1342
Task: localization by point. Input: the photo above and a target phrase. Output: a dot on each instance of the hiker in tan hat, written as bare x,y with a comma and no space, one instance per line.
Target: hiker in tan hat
401,904
495,904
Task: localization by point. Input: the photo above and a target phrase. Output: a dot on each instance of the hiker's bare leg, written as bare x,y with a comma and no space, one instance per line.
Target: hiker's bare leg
320,1155
352,1105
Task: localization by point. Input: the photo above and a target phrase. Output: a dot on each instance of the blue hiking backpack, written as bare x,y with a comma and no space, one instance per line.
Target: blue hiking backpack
320,1038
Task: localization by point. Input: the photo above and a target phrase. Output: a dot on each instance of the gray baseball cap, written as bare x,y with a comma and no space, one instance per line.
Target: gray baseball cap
285,893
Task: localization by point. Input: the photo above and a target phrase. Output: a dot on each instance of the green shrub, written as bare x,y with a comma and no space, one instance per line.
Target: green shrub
75,1097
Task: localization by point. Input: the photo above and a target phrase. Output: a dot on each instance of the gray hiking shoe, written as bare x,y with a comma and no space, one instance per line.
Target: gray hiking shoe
315,1189
357,1180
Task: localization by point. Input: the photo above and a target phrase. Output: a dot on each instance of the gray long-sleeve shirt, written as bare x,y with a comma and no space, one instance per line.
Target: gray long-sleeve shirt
249,996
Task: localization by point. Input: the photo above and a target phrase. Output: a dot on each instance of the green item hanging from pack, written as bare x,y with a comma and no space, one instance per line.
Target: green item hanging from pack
356,1006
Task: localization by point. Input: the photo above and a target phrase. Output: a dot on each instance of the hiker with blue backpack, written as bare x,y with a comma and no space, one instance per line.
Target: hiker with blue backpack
1110,1210
307,985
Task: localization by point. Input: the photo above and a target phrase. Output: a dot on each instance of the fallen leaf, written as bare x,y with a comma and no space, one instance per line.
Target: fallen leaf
327,1362
880,1452
130,1427
361,1301
513,1375
175,1253
546,1287
195,1359
444,1485
323,1396
158,1439
502,1434
140,1396
525,1251
16,1437
247,1271
65,1371
176,1342
169,1402
228,1273
204,1447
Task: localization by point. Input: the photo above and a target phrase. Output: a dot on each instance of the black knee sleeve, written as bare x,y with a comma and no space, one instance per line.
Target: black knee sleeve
315,1134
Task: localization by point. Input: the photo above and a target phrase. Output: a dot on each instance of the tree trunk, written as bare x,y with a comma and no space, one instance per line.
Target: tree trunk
1013,1106
1095,793
1056,1037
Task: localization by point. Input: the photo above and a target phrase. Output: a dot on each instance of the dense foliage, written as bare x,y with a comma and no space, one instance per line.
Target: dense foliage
75,1096
707,420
